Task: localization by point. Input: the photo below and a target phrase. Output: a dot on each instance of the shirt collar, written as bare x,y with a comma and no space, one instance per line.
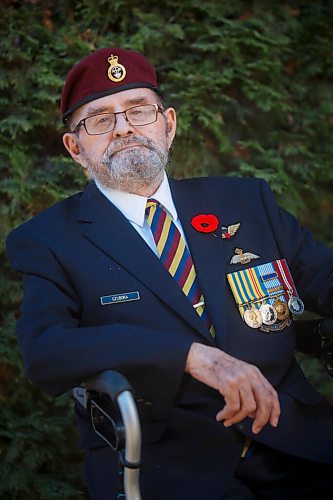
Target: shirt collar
133,206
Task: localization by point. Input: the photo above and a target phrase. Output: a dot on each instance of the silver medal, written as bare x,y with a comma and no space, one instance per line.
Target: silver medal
268,313
295,305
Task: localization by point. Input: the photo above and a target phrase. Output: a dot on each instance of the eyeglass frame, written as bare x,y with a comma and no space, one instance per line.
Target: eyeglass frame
158,109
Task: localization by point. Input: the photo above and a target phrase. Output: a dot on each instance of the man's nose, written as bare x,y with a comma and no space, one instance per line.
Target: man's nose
122,127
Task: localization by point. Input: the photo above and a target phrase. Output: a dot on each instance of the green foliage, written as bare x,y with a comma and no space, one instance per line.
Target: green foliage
38,445
252,85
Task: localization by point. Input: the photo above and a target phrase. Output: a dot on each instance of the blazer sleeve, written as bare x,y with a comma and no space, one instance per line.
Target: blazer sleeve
59,353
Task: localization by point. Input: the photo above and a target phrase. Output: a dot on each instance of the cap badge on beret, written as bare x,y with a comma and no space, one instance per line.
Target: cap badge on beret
116,71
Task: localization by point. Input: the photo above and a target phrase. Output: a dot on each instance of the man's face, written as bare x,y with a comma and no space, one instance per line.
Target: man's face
129,158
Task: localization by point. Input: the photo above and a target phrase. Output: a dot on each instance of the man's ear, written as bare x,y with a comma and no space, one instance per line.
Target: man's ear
72,147
171,121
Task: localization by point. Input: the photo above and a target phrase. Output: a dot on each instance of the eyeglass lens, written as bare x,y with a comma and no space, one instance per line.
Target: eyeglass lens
137,115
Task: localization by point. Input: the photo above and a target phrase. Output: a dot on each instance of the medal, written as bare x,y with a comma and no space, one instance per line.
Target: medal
253,318
295,305
282,310
268,313
265,294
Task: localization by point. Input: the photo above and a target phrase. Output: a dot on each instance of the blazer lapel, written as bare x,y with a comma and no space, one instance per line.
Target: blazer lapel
108,229
207,252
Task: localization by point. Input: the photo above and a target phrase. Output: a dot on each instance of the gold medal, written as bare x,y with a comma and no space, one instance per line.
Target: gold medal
282,310
253,318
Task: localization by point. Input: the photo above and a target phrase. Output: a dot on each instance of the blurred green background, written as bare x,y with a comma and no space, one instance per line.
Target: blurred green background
252,82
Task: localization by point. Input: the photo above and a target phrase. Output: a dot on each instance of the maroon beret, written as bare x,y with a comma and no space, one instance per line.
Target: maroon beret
103,72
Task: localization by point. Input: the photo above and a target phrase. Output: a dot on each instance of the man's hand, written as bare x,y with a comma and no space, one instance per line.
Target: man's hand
247,393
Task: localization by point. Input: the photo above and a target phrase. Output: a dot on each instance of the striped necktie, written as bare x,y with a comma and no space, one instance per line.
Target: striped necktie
176,257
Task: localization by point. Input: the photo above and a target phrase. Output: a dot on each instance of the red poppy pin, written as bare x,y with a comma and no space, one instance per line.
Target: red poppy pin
208,223
205,223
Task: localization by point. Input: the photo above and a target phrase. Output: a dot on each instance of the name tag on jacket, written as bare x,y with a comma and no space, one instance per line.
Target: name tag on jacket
119,297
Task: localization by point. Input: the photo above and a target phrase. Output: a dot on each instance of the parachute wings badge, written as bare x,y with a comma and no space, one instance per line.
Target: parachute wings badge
228,232
242,257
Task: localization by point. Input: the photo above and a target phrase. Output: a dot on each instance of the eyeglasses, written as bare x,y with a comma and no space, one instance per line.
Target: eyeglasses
103,123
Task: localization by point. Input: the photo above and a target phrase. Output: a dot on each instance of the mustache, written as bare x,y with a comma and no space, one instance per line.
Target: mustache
134,140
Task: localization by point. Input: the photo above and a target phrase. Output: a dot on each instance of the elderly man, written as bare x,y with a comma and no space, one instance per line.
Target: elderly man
186,287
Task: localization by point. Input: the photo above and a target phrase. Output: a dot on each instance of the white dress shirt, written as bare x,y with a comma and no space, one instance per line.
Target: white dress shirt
133,207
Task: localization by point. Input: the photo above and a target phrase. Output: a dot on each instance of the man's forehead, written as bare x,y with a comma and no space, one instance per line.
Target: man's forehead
117,102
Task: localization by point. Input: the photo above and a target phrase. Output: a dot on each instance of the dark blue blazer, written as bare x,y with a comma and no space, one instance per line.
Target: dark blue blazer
83,248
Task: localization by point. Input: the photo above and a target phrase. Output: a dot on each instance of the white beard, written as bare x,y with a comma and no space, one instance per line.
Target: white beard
129,170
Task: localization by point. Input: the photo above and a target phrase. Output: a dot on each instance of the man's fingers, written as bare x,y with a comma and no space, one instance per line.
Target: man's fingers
268,411
247,393
232,406
246,406
276,411
257,400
